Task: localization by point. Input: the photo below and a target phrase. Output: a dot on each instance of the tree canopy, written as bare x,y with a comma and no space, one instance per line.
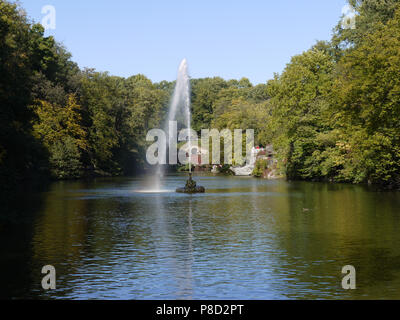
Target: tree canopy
331,115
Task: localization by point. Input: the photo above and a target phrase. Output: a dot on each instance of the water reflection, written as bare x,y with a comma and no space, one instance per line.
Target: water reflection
244,239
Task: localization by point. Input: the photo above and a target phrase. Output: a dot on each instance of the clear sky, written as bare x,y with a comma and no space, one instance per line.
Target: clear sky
226,38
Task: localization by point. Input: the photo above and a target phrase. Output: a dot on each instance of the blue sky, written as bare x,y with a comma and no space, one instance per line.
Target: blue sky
226,38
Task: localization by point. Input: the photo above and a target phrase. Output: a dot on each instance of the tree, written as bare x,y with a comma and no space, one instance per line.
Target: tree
65,159
367,96
369,14
204,93
299,104
60,130
19,152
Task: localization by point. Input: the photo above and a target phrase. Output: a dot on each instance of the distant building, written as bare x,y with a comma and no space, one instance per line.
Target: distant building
196,153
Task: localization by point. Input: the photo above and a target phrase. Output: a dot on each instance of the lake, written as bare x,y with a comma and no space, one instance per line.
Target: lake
244,238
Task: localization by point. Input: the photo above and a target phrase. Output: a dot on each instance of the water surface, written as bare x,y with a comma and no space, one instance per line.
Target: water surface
243,239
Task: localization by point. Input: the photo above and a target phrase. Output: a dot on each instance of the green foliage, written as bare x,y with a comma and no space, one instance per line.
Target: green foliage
204,94
55,123
299,105
260,166
183,168
225,169
367,99
65,159
370,14
120,112
335,109
21,56
60,130
333,113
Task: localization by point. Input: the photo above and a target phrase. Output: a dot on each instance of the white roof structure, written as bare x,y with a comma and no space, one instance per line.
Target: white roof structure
195,149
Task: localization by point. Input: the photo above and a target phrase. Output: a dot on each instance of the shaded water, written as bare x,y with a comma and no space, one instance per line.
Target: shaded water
244,239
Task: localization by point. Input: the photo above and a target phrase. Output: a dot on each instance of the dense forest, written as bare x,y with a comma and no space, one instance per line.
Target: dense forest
333,114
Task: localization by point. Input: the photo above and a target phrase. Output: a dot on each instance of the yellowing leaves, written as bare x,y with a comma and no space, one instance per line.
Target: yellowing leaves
54,123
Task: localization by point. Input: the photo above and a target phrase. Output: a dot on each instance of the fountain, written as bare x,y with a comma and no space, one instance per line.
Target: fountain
181,102
191,187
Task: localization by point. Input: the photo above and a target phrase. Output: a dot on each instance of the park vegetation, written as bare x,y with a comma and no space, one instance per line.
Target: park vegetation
333,114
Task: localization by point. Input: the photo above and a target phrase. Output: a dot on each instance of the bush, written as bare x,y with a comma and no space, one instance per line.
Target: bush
260,167
65,159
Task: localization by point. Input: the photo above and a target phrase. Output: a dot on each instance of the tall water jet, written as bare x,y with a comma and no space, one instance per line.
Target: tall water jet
179,111
181,97
180,104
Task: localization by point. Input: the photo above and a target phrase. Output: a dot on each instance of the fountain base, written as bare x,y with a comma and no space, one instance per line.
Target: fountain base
191,187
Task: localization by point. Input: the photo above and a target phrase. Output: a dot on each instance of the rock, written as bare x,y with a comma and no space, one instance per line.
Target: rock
191,187
247,170
243,171
195,190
